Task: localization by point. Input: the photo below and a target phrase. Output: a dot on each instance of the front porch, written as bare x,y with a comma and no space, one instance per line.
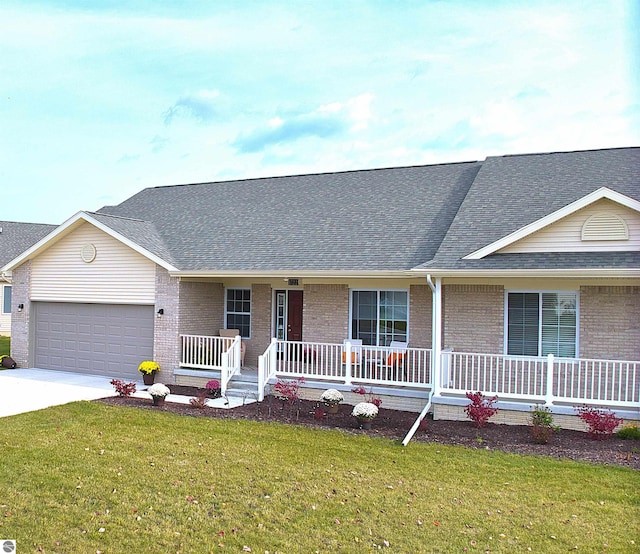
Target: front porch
412,377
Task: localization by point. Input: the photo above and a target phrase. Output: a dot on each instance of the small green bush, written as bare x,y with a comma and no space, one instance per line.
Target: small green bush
629,432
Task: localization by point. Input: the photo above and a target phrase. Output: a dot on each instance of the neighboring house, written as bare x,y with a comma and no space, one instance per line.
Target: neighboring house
15,238
484,268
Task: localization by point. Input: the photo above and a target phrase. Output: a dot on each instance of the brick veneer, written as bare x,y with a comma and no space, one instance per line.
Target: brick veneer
166,346
21,284
610,322
201,308
325,313
260,323
474,318
420,316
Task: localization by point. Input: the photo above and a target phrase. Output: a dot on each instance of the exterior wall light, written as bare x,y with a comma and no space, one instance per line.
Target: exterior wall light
160,312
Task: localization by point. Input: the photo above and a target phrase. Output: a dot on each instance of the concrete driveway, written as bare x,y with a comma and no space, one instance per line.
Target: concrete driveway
25,390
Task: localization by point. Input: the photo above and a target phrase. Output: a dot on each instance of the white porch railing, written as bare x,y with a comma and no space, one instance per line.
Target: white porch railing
542,379
212,353
347,364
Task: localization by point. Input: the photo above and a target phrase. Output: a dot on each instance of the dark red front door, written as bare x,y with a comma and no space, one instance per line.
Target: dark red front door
294,315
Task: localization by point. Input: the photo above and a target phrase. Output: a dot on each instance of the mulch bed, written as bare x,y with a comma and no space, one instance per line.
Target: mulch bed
394,424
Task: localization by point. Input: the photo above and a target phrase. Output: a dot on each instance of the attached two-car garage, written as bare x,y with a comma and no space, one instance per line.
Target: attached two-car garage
98,339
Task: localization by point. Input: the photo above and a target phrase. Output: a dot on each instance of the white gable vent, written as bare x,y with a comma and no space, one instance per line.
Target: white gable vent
605,226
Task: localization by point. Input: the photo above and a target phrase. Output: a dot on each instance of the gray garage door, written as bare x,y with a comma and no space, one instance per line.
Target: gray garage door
101,339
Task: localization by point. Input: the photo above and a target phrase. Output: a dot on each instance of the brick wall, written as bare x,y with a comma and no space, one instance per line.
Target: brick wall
260,323
325,313
21,281
610,322
166,346
474,318
420,298
201,308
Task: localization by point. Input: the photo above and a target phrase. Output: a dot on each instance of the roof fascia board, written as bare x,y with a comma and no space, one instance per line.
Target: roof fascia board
67,226
556,273
569,209
279,274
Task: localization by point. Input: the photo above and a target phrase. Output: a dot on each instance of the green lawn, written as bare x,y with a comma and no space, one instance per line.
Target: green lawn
5,345
88,477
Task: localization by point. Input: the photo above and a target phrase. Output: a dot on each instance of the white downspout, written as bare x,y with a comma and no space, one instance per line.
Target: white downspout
436,351
436,330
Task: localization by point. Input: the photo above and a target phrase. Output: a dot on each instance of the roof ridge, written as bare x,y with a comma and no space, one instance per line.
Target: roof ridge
319,174
565,152
119,217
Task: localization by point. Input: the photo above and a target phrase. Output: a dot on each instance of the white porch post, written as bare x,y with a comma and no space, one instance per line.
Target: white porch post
548,397
273,353
436,330
347,363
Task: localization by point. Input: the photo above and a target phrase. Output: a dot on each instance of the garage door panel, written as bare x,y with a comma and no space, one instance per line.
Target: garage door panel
93,338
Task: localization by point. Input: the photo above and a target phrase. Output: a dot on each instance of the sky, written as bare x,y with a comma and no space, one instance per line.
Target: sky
100,99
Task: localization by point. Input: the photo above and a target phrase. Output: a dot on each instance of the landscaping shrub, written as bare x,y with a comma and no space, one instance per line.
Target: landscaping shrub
122,388
600,423
199,401
629,432
481,408
542,426
288,391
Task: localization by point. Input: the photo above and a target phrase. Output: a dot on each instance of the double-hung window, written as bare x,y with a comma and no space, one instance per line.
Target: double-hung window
541,323
238,311
379,316
6,299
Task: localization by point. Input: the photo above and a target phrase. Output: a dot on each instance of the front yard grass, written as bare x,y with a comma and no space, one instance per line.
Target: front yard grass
89,477
5,346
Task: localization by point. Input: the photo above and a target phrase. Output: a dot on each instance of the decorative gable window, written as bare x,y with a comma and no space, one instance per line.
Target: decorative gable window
541,323
238,311
379,316
605,226
6,299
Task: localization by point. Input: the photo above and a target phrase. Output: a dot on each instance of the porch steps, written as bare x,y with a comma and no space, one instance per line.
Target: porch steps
244,386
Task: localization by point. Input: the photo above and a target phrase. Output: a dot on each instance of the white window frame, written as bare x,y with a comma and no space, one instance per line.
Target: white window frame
378,291
4,307
540,293
227,312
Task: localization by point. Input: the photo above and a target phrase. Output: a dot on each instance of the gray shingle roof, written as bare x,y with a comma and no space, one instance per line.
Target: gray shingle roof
17,237
510,192
374,220
142,233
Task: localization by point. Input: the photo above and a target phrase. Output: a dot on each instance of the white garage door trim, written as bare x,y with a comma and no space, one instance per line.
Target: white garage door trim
98,339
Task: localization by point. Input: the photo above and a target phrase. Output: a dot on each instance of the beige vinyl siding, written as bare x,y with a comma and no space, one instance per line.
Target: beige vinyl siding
5,318
117,275
566,235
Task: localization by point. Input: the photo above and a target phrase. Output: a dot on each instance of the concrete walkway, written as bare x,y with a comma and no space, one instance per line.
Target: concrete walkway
26,390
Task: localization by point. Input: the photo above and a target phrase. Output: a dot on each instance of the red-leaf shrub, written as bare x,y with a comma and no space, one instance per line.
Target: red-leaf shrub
369,396
481,409
288,391
600,423
122,388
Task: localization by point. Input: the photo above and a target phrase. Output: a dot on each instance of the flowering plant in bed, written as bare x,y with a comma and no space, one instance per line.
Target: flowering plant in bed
213,388
148,367
331,398
365,411
158,390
